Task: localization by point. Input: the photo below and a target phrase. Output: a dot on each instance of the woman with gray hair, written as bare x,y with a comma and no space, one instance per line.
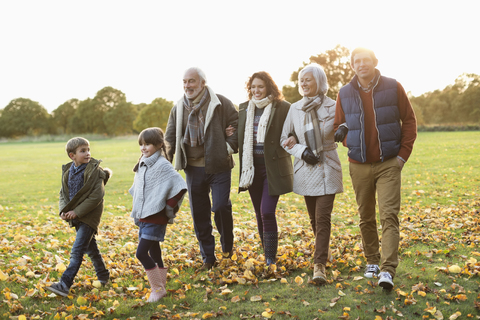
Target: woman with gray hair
317,168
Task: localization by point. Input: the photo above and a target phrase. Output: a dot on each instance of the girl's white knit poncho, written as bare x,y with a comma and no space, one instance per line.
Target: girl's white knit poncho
155,182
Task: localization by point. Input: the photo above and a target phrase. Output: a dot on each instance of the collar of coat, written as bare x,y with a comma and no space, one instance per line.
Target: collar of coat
91,167
93,163
354,81
150,161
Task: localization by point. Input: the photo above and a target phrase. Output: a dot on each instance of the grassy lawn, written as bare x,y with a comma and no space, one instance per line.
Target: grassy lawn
438,275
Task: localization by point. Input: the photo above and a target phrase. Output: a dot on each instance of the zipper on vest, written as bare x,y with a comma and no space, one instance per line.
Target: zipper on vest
362,125
375,118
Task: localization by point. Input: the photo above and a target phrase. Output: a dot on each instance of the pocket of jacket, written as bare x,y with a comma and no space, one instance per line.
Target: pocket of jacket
333,162
298,165
284,163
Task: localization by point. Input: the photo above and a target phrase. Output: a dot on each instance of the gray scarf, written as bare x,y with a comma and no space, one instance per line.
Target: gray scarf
194,132
313,136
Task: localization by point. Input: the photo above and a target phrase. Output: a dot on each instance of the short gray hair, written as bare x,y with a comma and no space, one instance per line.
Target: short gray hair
200,73
319,76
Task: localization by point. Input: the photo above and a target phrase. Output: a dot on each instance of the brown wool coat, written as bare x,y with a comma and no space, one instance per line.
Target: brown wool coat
219,148
88,202
278,162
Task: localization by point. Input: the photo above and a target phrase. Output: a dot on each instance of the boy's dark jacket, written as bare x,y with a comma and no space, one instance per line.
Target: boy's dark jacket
88,202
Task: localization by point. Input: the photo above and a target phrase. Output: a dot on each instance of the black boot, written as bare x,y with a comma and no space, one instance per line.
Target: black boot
270,244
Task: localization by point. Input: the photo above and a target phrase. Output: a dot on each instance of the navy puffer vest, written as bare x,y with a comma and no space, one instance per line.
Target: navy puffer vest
387,118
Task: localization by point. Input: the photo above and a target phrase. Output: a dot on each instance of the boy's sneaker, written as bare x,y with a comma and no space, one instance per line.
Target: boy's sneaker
386,281
59,288
372,270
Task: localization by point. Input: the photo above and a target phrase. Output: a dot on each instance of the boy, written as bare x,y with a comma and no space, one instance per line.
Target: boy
81,204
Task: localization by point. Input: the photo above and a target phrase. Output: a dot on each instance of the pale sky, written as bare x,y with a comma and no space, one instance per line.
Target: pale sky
52,51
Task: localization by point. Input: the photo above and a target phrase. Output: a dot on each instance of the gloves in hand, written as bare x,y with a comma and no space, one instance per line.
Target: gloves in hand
340,134
309,157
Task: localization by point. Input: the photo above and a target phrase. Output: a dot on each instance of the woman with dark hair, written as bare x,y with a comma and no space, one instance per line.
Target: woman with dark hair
265,167
318,171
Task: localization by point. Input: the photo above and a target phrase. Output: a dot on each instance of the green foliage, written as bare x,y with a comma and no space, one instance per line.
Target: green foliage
108,97
87,119
119,119
153,115
106,100
63,115
457,103
139,107
90,114
469,103
24,117
290,93
107,113
335,63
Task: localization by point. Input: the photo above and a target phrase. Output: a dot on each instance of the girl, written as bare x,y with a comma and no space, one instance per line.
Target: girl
157,192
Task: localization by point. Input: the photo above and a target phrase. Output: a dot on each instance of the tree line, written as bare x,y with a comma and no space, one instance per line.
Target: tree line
110,113
107,113
458,103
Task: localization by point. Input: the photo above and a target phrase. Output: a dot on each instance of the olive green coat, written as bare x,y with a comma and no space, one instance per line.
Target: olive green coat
88,202
278,162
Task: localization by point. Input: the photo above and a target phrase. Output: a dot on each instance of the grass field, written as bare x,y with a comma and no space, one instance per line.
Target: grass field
438,275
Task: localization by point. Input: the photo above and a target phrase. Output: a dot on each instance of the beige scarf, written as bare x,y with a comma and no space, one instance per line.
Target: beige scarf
248,169
313,136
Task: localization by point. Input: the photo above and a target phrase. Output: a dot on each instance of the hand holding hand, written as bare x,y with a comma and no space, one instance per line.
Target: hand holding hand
340,134
309,157
229,131
290,142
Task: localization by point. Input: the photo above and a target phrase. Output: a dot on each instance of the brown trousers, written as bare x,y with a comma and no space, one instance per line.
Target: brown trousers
383,179
320,212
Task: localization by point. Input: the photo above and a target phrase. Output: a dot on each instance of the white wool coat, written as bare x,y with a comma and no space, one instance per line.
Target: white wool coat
155,182
323,178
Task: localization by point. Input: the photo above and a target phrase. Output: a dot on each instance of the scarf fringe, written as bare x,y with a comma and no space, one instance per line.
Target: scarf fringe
247,177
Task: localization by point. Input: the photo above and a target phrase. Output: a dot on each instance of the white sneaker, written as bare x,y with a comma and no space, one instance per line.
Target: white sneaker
386,281
372,270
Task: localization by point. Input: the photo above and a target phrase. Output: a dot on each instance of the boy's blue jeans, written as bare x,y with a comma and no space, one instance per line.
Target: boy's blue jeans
85,243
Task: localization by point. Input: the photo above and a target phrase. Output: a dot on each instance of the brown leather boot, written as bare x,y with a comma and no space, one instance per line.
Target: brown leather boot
319,276
206,267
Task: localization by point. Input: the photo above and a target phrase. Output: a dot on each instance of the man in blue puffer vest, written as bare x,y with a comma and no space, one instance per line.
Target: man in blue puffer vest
375,112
